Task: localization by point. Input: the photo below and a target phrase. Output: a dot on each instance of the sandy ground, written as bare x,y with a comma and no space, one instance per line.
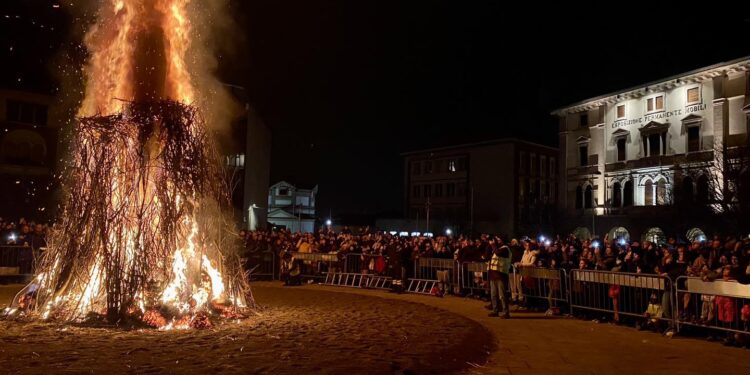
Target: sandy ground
301,331
531,343
321,329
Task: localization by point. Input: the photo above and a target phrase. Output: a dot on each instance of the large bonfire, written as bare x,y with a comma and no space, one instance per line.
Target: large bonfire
141,238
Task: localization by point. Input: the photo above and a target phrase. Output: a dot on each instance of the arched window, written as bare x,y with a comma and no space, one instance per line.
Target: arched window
695,235
588,197
688,192
579,198
648,193
616,195
662,196
582,233
654,235
703,194
628,194
619,233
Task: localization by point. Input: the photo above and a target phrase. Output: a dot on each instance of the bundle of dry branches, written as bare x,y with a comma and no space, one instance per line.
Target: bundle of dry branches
143,185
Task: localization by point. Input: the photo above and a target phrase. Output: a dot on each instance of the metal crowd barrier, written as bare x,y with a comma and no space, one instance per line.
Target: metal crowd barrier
439,269
688,301
543,283
630,294
358,280
473,276
16,260
317,265
360,263
716,305
421,286
263,265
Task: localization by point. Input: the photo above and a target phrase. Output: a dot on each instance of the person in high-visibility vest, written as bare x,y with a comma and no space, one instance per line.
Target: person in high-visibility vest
498,269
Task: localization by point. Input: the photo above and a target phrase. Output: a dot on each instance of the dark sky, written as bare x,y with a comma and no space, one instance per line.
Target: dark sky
346,86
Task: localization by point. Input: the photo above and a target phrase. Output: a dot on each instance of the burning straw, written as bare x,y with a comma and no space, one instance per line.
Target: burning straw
142,237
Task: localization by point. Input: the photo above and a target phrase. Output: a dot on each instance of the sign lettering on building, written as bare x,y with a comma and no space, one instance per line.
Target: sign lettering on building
645,119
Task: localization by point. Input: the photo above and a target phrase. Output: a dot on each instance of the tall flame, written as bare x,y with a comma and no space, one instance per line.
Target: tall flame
138,51
137,67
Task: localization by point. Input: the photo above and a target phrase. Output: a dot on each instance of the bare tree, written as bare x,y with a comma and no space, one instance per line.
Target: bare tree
722,186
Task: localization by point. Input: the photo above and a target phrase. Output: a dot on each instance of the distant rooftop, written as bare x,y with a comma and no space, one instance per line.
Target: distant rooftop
742,63
477,144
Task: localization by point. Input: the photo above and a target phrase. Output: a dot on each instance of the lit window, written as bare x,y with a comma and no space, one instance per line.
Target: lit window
655,104
660,102
693,95
237,160
452,166
621,111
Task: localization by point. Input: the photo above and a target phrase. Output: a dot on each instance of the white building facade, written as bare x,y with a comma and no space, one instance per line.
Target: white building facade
291,207
630,156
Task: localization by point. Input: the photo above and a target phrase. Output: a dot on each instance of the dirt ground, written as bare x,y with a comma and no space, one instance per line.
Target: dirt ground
330,330
300,331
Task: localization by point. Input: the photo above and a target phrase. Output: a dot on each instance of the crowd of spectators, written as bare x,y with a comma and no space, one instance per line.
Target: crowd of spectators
727,257
716,258
22,240
23,232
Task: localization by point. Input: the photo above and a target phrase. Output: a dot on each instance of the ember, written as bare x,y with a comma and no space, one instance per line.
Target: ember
142,236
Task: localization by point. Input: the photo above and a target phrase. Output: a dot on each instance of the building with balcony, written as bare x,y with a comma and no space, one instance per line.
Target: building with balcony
644,160
292,207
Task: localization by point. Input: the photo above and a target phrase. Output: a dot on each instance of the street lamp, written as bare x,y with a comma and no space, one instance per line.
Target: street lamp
328,222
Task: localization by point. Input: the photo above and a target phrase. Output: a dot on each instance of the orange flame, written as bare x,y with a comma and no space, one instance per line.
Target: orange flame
138,51
122,68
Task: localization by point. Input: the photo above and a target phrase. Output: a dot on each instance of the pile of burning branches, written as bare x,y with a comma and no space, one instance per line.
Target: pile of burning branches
142,237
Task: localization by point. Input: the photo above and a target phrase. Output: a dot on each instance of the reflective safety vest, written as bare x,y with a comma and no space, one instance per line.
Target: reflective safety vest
500,264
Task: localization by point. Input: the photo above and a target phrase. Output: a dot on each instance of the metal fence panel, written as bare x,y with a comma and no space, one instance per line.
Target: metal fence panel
473,276
16,260
544,284
714,305
263,265
317,265
365,263
617,293
439,269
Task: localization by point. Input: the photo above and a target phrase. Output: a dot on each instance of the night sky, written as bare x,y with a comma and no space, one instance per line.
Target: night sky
346,86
